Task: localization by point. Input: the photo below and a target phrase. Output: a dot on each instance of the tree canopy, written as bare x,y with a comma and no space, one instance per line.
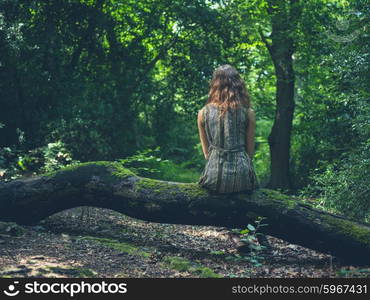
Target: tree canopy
97,80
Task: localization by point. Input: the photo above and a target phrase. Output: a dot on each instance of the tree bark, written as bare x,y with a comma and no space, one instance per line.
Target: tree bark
109,185
284,17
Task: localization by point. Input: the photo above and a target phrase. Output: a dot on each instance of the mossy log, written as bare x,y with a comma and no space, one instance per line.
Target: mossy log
109,185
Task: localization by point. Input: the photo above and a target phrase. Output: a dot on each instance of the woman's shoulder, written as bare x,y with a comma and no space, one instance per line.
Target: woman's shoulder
205,107
201,113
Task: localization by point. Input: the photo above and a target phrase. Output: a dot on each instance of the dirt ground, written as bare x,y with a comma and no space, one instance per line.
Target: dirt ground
93,242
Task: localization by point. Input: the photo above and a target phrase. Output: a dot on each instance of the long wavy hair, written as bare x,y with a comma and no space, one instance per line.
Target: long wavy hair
227,89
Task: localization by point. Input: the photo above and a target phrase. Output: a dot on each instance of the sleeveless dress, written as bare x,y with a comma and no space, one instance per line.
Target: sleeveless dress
228,168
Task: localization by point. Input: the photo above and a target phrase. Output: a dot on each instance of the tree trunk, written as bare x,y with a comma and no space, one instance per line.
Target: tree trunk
109,185
279,138
284,16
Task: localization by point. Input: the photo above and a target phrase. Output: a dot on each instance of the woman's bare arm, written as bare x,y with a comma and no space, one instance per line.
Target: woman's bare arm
202,134
251,128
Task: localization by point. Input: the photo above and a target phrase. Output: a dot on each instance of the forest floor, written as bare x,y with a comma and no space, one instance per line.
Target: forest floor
94,242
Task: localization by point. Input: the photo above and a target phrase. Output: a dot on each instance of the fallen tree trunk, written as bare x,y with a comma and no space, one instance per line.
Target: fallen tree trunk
109,185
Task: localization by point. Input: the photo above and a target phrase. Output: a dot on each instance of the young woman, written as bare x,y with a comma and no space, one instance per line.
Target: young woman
226,129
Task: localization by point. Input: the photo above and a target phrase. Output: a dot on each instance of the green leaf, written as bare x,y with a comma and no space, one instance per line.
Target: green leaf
251,227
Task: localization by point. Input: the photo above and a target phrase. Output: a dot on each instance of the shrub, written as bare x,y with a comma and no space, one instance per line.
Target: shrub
343,186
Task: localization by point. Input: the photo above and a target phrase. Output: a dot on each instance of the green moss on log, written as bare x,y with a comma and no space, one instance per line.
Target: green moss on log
193,190
348,228
287,202
156,186
74,167
118,172
122,172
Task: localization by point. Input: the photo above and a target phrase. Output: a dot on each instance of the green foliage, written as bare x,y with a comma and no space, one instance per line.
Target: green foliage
330,145
105,77
8,165
144,162
177,172
333,90
344,185
261,160
148,163
107,80
15,163
83,137
55,156
249,236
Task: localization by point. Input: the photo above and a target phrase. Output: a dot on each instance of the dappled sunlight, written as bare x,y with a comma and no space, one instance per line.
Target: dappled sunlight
41,266
206,233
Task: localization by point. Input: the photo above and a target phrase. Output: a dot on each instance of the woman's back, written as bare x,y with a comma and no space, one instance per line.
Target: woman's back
228,168
228,132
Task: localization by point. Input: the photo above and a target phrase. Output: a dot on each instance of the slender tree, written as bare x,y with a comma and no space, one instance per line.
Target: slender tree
284,17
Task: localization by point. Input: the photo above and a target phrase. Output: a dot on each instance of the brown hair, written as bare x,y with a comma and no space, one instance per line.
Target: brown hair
227,89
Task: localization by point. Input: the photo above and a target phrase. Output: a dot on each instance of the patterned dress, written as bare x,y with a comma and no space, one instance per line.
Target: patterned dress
228,168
